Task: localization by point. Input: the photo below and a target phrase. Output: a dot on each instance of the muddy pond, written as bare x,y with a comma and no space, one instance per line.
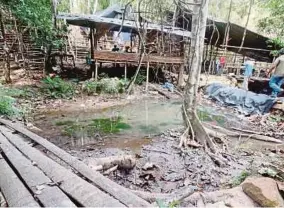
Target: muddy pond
125,126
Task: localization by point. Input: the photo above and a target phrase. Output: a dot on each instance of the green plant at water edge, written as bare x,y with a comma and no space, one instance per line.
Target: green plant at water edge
240,178
102,125
58,88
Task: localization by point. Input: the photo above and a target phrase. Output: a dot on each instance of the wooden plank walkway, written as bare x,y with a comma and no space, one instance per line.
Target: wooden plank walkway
28,177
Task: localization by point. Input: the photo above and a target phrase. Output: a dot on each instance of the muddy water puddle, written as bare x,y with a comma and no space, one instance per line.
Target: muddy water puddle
128,126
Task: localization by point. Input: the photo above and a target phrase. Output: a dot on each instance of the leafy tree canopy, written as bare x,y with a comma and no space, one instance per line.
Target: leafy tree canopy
273,24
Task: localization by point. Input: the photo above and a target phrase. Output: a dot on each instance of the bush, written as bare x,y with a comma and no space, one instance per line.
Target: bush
57,87
7,106
105,85
111,85
90,87
141,78
8,103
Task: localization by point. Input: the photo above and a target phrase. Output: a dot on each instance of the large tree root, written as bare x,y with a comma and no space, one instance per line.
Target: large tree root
202,136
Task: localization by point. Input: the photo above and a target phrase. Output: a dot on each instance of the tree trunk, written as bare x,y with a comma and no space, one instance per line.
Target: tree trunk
194,126
245,30
7,69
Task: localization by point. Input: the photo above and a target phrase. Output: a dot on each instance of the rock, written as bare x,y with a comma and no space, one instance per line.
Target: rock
149,166
263,191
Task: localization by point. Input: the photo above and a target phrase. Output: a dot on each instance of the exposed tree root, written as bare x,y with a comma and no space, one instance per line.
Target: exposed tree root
203,136
180,195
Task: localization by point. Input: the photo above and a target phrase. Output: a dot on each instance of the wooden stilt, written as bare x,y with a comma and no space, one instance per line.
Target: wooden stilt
125,72
96,72
147,76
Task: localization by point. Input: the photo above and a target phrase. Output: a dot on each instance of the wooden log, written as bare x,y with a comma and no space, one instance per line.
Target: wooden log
13,189
123,162
122,194
80,190
250,136
35,179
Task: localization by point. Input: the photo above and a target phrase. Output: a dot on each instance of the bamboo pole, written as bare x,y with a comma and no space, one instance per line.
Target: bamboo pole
125,72
147,76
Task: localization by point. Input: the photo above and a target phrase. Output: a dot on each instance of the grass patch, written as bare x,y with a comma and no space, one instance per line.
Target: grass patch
8,104
57,88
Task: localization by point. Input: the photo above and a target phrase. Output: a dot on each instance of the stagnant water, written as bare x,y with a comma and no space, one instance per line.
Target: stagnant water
133,122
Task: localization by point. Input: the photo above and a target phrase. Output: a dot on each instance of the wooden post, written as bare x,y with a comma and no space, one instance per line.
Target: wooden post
125,72
96,72
147,76
131,42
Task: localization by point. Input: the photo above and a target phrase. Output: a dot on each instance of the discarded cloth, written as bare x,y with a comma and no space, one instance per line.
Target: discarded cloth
246,102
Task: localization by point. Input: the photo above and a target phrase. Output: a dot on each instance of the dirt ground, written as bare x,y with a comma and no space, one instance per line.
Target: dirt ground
161,166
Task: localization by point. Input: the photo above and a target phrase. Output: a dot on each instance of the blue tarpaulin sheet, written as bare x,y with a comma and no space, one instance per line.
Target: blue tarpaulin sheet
245,102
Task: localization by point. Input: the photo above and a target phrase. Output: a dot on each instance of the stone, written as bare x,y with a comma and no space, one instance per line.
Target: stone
263,191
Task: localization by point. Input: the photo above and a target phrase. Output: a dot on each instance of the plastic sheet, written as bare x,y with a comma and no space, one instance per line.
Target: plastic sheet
245,102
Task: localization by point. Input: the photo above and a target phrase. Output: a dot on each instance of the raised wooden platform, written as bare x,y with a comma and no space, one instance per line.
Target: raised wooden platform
31,178
119,57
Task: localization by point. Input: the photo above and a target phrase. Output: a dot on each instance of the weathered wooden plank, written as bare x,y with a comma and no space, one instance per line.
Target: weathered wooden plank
133,57
122,194
82,191
13,189
35,179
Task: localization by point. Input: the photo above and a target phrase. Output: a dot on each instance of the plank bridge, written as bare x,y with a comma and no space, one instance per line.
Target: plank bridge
31,178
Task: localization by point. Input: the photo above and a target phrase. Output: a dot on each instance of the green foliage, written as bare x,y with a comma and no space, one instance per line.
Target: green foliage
8,103
7,106
58,88
111,85
90,87
174,204
240,178
140,79
273,24
276,44
105,85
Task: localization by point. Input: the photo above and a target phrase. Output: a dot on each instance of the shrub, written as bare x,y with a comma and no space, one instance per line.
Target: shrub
111,85
57,87
8,103
141,77
90,87
105,85
7,106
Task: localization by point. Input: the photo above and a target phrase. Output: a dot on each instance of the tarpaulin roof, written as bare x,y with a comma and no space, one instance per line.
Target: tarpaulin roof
255,45
107,19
